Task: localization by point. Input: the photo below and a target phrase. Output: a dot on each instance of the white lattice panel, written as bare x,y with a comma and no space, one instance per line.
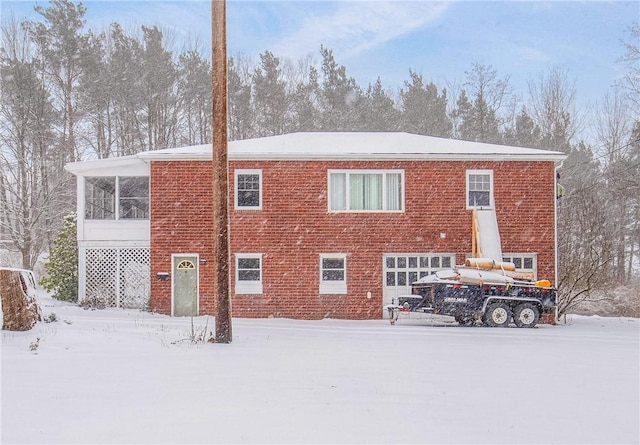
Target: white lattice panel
101,276
118,277
134,278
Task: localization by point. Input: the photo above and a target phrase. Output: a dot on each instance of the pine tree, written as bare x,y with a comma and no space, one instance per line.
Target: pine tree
62,268
378,111
62,44
339,95
194,91
241,115
424,110
270,98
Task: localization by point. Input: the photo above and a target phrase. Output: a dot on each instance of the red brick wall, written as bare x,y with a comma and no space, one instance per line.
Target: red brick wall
181,222
294,228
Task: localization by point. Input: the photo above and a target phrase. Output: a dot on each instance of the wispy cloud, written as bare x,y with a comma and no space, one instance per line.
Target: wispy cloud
529,54
352,28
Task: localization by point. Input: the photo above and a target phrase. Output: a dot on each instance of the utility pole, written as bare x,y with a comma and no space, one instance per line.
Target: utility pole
220,175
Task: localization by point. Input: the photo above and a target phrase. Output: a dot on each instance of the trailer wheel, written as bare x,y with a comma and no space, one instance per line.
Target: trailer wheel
497,315
526,315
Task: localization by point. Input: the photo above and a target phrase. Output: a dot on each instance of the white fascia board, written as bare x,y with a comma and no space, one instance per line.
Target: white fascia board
395,157
80,167
176,155
93,166
102,244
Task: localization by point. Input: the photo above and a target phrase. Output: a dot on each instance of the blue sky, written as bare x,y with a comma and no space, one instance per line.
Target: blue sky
440,40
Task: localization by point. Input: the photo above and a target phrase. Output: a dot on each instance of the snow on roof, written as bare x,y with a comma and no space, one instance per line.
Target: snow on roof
345,146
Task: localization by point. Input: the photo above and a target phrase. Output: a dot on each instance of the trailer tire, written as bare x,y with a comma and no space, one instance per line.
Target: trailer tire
497,315
526,315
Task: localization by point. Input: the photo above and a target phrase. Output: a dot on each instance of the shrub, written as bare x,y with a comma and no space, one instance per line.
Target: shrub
62,268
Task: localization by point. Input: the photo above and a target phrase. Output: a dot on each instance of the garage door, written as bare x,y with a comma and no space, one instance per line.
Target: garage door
400,270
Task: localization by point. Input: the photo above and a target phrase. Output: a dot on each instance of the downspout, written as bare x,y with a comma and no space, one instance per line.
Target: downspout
558,166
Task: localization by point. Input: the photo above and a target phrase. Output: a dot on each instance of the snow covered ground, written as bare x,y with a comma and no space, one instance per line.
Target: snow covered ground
118,376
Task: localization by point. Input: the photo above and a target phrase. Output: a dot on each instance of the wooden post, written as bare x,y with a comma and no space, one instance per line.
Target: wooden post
476,251
220,175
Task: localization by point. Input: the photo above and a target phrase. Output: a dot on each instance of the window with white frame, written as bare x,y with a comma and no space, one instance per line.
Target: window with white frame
525,262
479,189
403,270
248,273
133,197
333,274
248,186
116,197
366,190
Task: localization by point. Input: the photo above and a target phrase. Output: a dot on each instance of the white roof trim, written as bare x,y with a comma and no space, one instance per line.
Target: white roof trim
338,146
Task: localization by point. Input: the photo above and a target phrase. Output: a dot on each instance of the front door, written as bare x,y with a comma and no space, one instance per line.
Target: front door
185,285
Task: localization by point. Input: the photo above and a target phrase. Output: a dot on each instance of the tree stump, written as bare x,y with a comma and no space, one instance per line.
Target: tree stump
20,309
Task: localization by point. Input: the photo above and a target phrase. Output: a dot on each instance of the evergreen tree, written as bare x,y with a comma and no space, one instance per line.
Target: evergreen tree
62,44
194,89
96,97
241,115
524,132
378,112
269,95
339,95
424,110
461,117
158,86
62,268
126,72
306,115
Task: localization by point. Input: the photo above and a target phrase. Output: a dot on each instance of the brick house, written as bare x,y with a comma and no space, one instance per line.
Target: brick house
321,224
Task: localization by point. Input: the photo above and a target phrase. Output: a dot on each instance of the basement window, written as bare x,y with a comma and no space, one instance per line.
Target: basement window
248,273
526,263
333,274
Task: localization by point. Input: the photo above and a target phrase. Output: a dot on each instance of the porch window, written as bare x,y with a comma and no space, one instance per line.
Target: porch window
131,193
100,198
134,197
366,191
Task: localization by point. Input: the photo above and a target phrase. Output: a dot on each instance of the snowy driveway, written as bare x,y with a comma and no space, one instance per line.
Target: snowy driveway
116,376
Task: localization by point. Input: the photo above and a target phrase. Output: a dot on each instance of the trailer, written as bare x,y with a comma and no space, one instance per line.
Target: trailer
485,290
482,291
